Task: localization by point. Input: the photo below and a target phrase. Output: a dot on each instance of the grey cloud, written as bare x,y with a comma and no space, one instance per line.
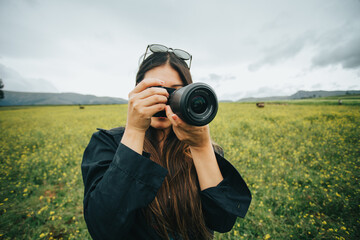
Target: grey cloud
337,46
216,79
278,22
231,96
21,39
335,85
345,52
90,39
354,86
43,30
13,81
213,77
285,50
317,86
332,41
266,92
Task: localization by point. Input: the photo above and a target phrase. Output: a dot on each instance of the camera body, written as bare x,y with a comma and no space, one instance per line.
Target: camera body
195,103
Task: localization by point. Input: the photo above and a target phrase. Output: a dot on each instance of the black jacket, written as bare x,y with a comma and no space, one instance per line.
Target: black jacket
119,183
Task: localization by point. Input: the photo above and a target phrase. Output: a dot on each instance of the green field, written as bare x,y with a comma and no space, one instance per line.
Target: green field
301,163
347,100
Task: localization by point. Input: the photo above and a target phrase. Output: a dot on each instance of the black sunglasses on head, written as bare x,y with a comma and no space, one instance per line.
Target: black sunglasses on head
155,48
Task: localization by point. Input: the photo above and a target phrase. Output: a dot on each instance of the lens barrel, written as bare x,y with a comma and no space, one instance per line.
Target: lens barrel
195,103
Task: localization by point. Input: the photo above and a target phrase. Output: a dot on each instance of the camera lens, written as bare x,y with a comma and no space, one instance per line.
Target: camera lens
198,104
195,103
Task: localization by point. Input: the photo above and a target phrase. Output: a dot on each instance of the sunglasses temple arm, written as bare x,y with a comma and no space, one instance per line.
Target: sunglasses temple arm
146,52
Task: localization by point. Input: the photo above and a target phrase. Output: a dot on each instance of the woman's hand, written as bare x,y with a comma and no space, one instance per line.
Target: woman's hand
194,136
144,102
201,149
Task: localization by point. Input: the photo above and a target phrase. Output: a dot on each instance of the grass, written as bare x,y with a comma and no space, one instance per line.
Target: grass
301,163
347,100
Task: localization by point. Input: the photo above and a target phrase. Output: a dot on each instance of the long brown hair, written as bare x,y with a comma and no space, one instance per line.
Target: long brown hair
176,210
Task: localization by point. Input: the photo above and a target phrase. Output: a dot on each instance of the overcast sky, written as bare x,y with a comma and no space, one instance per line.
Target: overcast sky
241,48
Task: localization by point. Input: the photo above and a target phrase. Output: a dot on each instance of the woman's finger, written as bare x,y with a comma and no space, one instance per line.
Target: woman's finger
153,99
155,108
146,83
152,91
174,119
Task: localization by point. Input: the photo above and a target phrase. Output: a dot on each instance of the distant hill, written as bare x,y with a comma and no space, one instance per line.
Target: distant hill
317,94
29,98
302,95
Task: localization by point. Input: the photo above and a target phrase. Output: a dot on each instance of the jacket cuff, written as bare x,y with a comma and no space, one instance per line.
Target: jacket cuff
232,193
140,167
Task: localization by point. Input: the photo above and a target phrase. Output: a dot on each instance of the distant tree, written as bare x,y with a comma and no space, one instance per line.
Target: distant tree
1,87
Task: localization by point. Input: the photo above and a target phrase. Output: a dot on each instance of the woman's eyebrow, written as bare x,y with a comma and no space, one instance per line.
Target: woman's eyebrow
177,85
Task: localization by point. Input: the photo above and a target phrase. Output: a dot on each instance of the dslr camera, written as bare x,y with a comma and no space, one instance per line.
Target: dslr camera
195,103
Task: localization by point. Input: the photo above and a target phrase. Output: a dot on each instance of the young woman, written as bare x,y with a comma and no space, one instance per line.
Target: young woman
159,178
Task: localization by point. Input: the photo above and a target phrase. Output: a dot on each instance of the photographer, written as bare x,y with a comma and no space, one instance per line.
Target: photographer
159,177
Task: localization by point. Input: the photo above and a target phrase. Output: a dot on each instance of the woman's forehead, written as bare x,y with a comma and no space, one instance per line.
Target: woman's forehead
165,73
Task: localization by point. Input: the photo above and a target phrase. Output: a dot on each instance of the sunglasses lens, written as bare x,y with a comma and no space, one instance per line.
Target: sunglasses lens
158,48
182,54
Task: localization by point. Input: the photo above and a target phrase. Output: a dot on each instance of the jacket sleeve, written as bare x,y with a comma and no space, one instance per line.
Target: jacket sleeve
229,199
118,181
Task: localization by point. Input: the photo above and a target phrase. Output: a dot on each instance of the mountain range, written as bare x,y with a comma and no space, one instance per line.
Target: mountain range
29,98
12,98
301,95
